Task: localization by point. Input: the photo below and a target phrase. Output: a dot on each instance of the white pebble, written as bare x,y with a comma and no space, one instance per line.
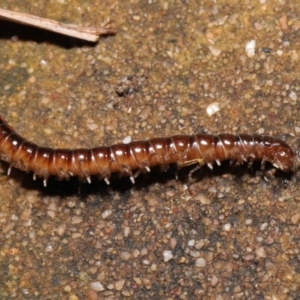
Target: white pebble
127,140
261,252
31,234
25,291
14,217
263,226
106,213
220,195
125,255
214,280
191,243
126,231
97,286
28,223
43,62
92,126
200,263
261,131
248,221
12,62
194,253
61,229
168,255
227,227
293,96
250,48
49,248
214,51
260,239
279,52
170,53
212,108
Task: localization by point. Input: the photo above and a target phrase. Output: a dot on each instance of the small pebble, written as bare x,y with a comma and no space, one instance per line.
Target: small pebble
138,280
194,253
249,257
203,199
214,280
125,255
97,286
106,213
214,51
261,252
200,244
127,140
263,226
173,243
119,284
227,227
250,48
200,263
212,108
136,253
49,248
168,255
144,251
76,220
145,112
61,229
191,243
126,231
248,221
293,96
67,289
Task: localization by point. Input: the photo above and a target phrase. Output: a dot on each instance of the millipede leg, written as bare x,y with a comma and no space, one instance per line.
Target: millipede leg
137,173
88,178
164,167
199,162
187,163
9,170
268,175
250,163
132,179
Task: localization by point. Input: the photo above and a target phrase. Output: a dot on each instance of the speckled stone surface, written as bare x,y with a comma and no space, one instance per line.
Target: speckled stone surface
227,234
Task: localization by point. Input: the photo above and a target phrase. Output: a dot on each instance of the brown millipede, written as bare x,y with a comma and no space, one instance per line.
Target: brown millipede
140,156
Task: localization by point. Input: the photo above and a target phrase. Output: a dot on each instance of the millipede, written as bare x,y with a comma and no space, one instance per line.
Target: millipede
137,157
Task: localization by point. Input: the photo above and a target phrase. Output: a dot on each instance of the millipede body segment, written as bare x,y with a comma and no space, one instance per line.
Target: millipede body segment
139,156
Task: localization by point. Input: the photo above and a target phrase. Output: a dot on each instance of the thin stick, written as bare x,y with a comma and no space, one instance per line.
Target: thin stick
85,33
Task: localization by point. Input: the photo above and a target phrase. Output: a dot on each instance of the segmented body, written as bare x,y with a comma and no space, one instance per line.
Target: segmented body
139,156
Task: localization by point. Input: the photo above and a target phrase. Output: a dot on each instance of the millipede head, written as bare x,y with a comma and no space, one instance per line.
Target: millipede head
284,159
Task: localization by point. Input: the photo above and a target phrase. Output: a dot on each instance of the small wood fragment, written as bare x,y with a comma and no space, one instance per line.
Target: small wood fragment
91,34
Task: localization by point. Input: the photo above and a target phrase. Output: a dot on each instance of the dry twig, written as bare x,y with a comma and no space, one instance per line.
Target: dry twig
85,33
